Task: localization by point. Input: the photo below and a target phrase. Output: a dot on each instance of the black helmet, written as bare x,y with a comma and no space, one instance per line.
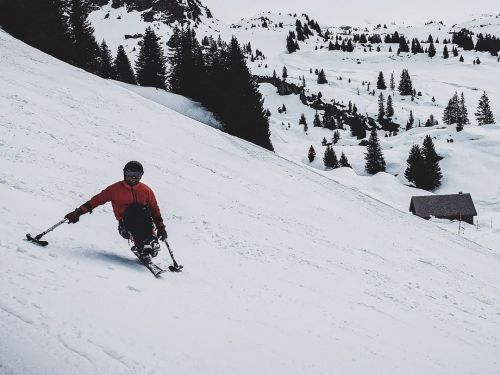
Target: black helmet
133,166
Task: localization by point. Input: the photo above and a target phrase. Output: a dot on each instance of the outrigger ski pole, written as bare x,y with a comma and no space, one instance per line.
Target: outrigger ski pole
176,267
37,240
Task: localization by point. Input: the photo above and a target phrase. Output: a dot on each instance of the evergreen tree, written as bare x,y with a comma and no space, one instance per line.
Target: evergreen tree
445,52
123,69
484,114
106,68
392,84
243,113
284,73
328,118
415,170
432,50
317,120
322,77
381,82
433,175
463,117
358,128
336,137
461,58
41,24
312,154
291,43
302,120
410,122
85,48
389,109
451,112
374,157
330,158
343,162
405,85
150,64
188,74
381,109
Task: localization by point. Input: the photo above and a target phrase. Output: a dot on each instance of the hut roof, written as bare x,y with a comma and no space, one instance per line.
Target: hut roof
443,206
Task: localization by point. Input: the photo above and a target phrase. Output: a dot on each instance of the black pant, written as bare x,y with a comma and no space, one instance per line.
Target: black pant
137,224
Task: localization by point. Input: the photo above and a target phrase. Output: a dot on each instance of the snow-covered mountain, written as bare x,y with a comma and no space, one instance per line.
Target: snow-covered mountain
286,271
350,75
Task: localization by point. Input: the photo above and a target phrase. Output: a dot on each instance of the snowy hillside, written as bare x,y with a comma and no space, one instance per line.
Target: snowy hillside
286,271
436,79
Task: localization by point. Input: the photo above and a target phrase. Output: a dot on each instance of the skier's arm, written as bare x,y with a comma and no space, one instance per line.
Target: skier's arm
101,198
97,200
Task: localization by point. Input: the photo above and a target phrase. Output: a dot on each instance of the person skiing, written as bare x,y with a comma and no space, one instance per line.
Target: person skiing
135,208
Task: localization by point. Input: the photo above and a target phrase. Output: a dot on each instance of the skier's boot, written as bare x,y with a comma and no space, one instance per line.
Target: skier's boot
151,247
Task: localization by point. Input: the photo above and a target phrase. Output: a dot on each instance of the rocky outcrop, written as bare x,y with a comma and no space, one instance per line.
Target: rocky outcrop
167,11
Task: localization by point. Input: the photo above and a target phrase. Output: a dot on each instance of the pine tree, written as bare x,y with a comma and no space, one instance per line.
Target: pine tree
328,118
284,73
150,64
389,109
374,157
123,68
432,50
343,162
330,158
188,73
358,128
106,67
463,117
302,120
452,110
405,85
392,84
336,137
445,52
381,82
85,48
317,120
410,122
381,109
484,114
322,77
242,111
312,154
415,170
41,24
433,175
291,43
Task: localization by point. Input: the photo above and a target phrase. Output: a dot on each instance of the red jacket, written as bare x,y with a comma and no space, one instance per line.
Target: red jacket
122,195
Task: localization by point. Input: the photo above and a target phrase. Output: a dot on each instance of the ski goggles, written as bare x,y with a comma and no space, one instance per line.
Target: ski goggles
132,174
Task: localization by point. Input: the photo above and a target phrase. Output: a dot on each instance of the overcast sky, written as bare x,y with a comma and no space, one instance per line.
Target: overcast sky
329,12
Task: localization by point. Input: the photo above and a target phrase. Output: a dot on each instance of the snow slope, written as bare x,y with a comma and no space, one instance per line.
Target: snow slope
286,271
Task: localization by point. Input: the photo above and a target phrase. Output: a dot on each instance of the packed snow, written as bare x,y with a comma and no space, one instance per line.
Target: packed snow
286,271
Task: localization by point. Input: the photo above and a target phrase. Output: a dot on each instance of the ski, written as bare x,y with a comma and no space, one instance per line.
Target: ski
149,264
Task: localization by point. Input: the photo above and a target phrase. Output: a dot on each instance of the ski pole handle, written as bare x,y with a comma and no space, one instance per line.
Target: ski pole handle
50,229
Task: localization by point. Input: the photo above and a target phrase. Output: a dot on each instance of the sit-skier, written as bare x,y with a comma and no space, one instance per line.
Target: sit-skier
135,208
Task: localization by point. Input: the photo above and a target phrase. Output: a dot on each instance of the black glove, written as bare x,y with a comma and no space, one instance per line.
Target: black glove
74,217
161,233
